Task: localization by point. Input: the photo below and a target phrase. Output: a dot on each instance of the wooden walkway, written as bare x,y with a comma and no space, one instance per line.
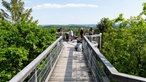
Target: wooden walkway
71,66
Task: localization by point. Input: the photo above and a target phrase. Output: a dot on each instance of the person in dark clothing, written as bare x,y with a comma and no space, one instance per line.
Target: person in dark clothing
91,31
82,36
81,33
59,33
67,36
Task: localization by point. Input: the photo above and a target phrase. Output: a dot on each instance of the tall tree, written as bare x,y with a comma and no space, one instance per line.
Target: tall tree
104,25
15,12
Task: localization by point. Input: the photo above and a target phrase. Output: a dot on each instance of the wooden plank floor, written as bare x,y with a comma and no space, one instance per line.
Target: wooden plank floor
71,66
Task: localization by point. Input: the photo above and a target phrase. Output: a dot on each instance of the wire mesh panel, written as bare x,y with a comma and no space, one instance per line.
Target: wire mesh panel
102,69
42,70
93,63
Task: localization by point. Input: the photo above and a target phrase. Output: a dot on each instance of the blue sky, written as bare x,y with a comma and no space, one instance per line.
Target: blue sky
81,11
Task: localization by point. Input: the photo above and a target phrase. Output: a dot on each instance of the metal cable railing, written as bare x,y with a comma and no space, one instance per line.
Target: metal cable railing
95,39
93,61
101,68
40,68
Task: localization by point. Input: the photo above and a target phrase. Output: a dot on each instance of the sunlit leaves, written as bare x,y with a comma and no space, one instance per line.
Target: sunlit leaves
15,12
20,44
125,46
144,9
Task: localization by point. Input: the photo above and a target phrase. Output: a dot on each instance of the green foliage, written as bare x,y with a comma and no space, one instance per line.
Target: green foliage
20,44
11,61
21,40
14,12
104,25
125,46
144,9
120,18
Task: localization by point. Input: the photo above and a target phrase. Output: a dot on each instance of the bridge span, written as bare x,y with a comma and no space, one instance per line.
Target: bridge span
61,63
71,66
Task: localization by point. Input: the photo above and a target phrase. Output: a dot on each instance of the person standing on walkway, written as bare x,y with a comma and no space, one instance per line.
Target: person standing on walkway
81,33
59,32
82,36
71,34
91,32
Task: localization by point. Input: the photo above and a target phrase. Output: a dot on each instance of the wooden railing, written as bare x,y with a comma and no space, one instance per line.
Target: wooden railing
102,69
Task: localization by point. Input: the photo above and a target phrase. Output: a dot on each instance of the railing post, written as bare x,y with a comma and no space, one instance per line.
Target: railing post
100,41
90,58
58,47
51,60
36,75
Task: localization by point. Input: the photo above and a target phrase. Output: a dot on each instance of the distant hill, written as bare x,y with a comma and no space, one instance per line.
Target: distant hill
72,25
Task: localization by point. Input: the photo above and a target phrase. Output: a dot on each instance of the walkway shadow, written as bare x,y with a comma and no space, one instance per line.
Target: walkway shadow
76,69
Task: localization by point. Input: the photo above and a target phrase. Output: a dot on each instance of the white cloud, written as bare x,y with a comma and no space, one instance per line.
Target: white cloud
64,6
